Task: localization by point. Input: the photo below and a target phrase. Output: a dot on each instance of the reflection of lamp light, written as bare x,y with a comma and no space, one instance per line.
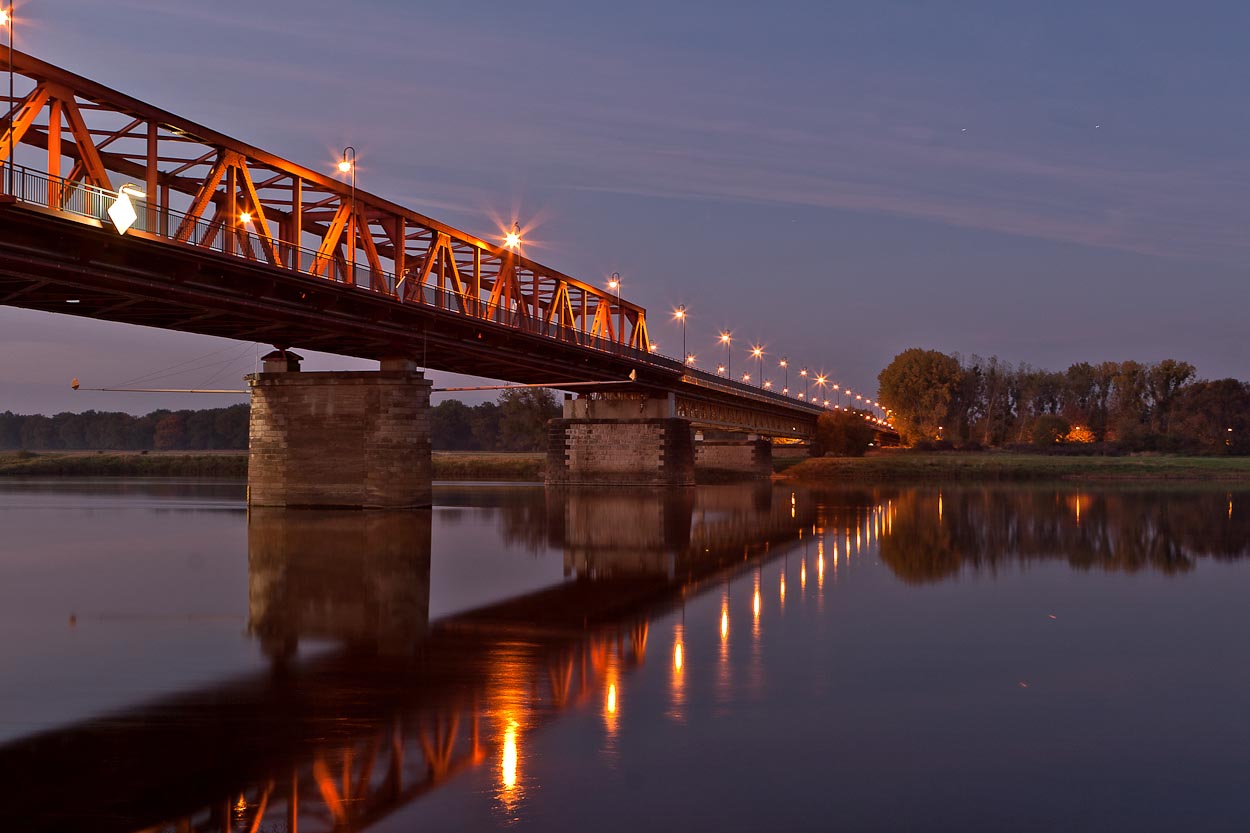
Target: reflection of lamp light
508,765
122,211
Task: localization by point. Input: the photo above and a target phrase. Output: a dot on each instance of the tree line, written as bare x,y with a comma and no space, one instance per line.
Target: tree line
1127,405
517,421
162,430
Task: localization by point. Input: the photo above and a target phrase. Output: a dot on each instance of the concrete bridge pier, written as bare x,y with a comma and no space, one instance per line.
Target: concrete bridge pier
620,439
344,439
727,453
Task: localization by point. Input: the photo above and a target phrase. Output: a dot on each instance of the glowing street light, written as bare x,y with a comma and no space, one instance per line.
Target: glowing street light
803,373
785,364
690,359
720,370
746,377
614,283
726,338
757,351
513,238
768,384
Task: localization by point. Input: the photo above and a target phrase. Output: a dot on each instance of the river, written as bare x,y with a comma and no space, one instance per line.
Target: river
739,657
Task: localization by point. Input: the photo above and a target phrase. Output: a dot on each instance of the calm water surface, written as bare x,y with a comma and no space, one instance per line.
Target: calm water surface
723,658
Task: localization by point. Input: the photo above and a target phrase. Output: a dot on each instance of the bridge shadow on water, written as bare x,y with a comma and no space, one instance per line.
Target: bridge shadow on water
398,704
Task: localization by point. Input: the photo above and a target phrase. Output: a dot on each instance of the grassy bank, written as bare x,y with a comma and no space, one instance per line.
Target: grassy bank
903,466
488,465
448,465
123,464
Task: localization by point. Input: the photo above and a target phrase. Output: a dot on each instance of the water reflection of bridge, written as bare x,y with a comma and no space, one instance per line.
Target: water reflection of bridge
341,739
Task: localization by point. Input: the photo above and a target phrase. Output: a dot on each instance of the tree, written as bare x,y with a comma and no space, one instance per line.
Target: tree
919,387
842,434
170,432
1214,417
1049,429
451,426
1164,382
523,416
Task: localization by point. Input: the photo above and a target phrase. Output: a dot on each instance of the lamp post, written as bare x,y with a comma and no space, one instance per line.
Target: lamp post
838,398
803,373
758,352
785,364
726,338
614,283
680,315
6,20
820,383
348,166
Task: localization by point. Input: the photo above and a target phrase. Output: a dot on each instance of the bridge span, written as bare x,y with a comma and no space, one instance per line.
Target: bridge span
117,210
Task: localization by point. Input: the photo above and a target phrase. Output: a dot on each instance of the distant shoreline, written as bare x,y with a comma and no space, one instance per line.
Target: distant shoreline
888,467
448,465
991,466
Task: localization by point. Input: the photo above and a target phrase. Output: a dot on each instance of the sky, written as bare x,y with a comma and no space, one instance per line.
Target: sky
1045,182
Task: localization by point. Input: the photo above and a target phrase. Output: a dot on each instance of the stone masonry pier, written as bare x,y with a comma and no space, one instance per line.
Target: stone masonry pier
347,440
620,440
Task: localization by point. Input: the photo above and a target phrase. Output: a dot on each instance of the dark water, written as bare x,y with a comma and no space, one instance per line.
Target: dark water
722,658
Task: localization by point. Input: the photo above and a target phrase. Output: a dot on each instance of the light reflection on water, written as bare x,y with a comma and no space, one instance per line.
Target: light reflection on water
528,698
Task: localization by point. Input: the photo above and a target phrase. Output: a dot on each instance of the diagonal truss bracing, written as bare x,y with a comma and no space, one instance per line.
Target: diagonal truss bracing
205,189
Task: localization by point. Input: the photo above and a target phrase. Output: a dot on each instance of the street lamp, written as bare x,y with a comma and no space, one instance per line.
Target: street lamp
785,363
614,283
348,166
720,370
690,359
725,338
820,382
680,315
513,238
803,373
758,352
839,396
6,20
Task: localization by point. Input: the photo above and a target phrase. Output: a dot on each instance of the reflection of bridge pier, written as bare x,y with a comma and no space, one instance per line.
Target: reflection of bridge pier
352,439
671,534
360,578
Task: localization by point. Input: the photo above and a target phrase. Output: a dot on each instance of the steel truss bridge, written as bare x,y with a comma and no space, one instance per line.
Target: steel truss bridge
230,240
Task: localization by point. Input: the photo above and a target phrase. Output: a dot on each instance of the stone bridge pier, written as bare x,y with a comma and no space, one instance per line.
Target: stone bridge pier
345,440
623,439
637,440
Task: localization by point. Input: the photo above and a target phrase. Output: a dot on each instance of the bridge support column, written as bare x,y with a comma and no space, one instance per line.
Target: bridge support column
350,439
729,454
620,440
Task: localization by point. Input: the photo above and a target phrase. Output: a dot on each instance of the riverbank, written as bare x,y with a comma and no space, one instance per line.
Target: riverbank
906,466
448,465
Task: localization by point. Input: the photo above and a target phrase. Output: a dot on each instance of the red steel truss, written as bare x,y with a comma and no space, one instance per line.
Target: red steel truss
206,189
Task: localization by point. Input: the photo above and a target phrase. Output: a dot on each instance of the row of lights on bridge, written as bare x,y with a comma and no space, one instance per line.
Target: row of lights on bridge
513,241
